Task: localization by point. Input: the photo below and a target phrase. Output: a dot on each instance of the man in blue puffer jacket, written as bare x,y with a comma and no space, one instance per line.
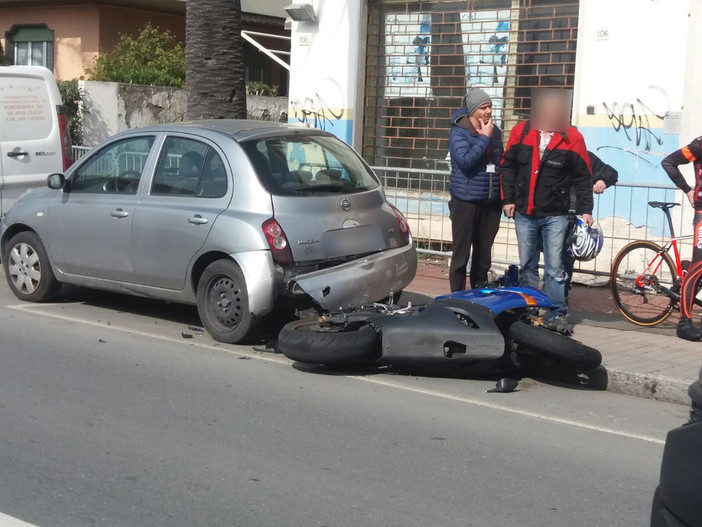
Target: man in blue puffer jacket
475,145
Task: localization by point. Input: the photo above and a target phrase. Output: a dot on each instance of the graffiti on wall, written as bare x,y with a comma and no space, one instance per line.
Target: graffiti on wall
314,112
325,108
322,109
634,120
485,36
407,52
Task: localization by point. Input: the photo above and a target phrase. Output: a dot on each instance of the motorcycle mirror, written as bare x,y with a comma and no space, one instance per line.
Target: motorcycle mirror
504,385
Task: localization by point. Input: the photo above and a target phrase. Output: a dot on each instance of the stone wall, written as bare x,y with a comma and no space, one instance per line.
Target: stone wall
267,108
111,107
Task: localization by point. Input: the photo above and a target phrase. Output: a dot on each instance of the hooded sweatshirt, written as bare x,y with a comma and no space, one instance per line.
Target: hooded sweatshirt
471,153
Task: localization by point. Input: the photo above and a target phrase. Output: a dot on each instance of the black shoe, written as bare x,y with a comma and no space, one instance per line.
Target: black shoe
687,331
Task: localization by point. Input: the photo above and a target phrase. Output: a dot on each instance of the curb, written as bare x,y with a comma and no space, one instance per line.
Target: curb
655,387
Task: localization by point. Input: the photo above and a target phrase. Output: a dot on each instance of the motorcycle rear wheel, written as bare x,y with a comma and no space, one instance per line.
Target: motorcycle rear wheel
307,341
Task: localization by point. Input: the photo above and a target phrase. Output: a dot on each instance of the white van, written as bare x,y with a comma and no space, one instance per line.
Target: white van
35,140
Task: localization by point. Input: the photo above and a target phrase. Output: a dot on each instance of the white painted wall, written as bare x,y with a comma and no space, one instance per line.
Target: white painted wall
691,122
625,47
633,92
325,67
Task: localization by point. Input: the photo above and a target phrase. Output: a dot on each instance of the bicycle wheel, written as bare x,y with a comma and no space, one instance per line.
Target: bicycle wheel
642,276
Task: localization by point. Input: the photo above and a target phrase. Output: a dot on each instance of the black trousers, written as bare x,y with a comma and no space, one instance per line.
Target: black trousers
694,272
474,225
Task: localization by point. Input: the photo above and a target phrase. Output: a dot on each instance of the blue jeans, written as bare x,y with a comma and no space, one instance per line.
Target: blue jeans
551,231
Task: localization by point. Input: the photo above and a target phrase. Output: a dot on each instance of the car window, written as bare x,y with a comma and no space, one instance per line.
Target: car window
116,168
189,168
303,165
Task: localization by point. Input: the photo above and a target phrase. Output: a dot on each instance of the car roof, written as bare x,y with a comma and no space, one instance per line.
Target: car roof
238,129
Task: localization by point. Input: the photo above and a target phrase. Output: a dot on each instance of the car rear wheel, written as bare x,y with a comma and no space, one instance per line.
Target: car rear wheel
554,345
307,341
223,303
28,270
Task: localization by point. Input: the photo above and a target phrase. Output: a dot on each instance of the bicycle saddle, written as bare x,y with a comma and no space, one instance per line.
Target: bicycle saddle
662,204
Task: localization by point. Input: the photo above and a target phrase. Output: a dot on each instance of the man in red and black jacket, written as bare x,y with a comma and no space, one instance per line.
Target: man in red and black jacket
691,153
539,168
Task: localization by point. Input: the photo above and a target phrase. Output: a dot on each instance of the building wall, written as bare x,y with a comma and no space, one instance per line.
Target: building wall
83,31
324,65
76,33
259,64
421,57
115,21
636,87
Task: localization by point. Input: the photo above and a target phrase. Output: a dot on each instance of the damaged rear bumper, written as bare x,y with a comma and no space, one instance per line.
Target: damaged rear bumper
361,281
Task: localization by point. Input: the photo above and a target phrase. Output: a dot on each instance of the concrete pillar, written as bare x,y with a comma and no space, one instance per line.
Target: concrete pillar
326,68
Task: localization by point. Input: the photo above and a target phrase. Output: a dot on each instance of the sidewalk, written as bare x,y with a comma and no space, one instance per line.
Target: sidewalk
646,362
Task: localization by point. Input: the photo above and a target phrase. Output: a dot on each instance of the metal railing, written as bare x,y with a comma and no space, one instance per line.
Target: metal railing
622,212
80,151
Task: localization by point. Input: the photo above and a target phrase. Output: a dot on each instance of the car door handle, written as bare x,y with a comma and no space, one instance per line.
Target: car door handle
17,154
197,220
119,213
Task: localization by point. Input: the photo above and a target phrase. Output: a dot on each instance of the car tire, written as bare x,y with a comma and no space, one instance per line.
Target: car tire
223,303
28,270
306,341
555,346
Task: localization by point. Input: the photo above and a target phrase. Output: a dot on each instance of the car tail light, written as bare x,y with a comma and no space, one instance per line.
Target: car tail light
66,146
402,225
280,247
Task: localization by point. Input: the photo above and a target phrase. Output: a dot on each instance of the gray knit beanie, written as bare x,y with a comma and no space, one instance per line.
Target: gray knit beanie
475,97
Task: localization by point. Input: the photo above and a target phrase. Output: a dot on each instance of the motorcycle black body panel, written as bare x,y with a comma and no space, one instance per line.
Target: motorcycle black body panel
447,332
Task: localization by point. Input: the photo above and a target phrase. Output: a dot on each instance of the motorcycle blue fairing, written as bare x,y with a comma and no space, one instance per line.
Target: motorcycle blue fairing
503,298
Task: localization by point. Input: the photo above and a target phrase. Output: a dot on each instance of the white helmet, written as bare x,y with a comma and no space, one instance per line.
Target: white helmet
586,242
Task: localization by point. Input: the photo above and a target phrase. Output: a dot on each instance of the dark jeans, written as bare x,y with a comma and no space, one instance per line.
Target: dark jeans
568,266
688,289
474,225
568,260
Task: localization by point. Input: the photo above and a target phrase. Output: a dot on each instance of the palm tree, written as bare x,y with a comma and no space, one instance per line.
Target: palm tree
214,59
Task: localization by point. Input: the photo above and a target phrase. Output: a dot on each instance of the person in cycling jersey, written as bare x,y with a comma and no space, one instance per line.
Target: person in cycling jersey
691,153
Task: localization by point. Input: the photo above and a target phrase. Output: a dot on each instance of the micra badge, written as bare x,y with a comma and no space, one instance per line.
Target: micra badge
346,204
308,241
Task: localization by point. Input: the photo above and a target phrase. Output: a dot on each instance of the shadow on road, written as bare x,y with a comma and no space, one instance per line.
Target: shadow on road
148,307
552,374
182,314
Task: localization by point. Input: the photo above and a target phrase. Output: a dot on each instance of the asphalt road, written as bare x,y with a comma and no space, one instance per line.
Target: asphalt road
109,416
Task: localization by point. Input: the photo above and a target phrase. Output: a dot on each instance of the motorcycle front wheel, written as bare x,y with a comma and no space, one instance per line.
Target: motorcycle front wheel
555,346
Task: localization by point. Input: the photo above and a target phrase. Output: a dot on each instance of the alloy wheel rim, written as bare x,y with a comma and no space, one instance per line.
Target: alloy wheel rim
24,268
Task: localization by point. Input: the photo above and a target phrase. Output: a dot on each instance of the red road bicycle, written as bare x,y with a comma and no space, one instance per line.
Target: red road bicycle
645,280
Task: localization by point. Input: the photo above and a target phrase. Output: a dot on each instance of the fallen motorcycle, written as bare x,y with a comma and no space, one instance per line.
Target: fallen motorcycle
476,331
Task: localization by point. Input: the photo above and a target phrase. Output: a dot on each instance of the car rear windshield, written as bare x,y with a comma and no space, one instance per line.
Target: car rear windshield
298,165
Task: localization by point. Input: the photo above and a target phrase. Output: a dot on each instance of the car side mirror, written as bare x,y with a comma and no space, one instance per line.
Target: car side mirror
56,181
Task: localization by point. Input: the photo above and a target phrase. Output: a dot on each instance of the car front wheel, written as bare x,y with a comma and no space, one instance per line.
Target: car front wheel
223,303
28,270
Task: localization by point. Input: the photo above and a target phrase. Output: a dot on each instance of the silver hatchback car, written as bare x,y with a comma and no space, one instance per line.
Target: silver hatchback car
233,216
